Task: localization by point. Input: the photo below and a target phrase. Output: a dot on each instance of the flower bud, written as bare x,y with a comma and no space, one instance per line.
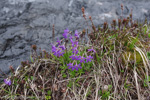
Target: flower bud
121,6
34,47
90,17
11,68
82,10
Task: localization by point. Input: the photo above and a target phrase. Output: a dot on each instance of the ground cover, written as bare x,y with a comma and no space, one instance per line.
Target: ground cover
114,63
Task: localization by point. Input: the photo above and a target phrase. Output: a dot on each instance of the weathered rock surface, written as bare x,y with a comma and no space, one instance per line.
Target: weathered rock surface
27,22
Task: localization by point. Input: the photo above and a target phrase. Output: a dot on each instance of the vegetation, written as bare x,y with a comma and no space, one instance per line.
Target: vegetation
114,64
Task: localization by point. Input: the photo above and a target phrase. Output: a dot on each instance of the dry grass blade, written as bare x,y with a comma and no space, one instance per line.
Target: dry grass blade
137,86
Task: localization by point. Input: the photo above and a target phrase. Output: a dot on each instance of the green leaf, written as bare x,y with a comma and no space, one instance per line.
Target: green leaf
77,79
97,57
148,55
109,87
32,77
131,45
145,29
31,58
62,71
70,84
78,84
149,35
63,67
64,76
26,78
126,42
122,71
146,81
32,97
15,82
72,74
49,92
48,97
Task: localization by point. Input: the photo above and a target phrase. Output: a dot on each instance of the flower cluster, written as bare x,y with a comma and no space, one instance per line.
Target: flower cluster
74,67
75,51
59,51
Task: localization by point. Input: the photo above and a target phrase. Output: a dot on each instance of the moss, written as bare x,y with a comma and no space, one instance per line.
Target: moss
130,55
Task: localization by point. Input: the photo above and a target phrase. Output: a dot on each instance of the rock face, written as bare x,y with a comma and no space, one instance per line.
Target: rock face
27,22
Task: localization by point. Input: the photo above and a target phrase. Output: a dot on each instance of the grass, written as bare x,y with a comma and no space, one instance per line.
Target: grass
120,68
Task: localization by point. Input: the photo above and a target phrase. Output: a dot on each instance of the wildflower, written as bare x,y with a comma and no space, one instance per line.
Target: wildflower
88,58
55,53
75,50
60,53
59,42
70,37
70,66
65,33
74,57
76,34
53,48
62,47
77,66
82,59
92,50
75,43
71,41
7,81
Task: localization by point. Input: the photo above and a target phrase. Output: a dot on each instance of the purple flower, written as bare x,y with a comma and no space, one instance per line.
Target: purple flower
71,41
70,37
77,66
54,48
82,59
62,47
65,33
60,53
75,50
92,50
56,53
74,57
75,43
70,66
7,81
88,58
76,34
59,42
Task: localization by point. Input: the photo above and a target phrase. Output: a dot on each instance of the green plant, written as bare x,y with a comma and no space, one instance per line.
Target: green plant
105,93
148,54
48,96
146,81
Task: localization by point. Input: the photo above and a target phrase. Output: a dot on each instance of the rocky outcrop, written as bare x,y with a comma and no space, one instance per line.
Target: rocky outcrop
27,22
